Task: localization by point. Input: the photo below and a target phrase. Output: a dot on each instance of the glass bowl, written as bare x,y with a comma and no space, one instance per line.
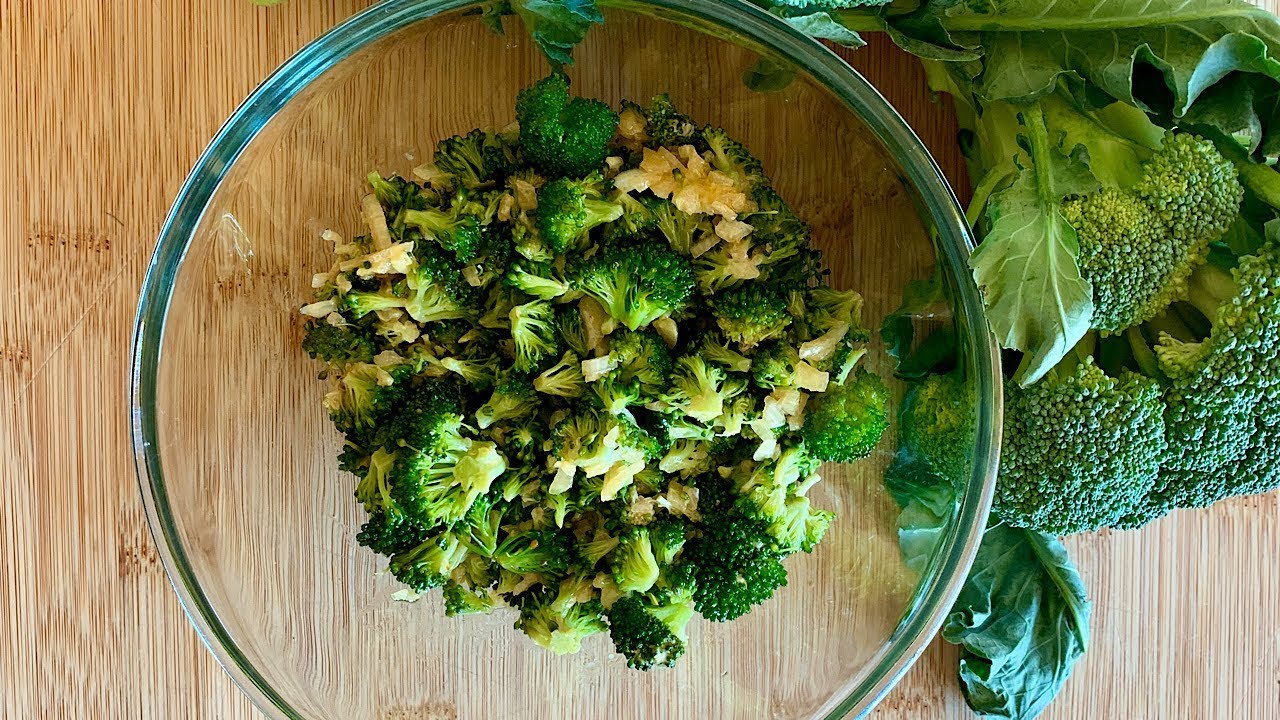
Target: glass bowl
235,454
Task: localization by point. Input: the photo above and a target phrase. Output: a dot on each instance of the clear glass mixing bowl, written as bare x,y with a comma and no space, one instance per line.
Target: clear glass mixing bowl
235,454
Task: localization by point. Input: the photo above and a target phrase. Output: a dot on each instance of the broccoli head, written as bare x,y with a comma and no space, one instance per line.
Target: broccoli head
751,313
846,422
337,345
636,285
649,629
561,135
568,209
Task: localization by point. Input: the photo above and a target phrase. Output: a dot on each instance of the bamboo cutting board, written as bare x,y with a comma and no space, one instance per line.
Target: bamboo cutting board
106,105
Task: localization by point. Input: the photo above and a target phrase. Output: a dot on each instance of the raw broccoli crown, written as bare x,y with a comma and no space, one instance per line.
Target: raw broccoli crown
937,421
562,135
1192,188
845,423
1080,448
1138,246
635,285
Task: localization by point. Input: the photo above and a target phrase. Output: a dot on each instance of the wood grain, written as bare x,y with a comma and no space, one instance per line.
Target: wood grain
106,105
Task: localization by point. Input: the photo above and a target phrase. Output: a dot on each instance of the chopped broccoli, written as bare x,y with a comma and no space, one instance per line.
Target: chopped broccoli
475,159
649,629
562,135
512,399
846,422
338,345
751,314
534,332
636,285
568,209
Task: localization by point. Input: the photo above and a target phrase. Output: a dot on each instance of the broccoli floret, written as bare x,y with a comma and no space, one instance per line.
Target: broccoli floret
534,551
1080,448
572,330
667,127
649,629
559,625
1138,246
846,422
459,600
731,158
337,345
358,303
774,365
439,292
429,564
533,330
388,532
633,563
568,209
513,398
475,159
540,280
636,285
733,559
937,422
639,217
681,229
751,314
440,488
699,389
563,379
562,135
667,536
642,358
363,393
454,230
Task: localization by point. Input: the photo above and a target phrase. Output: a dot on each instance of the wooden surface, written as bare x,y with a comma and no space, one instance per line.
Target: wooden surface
106,105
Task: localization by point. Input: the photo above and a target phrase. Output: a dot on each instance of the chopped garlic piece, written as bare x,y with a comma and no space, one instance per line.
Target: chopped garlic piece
614,163
376,220
707,242
432,175
821,348
795,420
596,368
768,441
681,500
667,330
565,470
320,309
336,319
631,124
741,265
471,274
384,359
811,378
319,280
594,320
505,204
396,258
732,230
526,194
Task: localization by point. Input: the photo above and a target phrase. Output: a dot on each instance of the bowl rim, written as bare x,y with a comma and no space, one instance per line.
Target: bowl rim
748,22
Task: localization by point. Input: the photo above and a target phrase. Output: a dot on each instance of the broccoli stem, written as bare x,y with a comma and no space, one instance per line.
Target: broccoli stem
1142,353
1209,287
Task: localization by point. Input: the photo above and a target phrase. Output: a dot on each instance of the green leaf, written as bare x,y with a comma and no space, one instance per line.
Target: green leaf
1026,268
818,24
558,25
1117,138
928,501
1022,621
767,76
1161,55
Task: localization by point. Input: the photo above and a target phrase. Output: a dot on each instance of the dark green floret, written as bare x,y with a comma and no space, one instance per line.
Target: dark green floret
845,423
562,135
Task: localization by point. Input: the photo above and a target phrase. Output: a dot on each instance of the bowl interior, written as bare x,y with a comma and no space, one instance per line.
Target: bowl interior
240,476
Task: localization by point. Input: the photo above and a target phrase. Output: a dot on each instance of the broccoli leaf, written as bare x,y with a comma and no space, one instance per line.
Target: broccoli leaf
818,24
1022,621
557,26
928,501
1161,55
1037,301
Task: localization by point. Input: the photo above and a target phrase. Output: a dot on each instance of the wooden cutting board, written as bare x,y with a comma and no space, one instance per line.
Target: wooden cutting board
106,104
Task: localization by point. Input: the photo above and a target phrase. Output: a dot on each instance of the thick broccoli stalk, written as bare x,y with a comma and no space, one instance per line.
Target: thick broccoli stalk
562,135
568,209
1138,246
636,285
846,422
